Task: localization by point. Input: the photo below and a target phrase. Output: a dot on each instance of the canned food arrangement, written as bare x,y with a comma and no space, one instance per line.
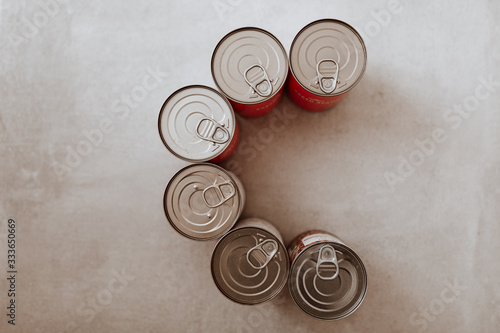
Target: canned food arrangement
250,263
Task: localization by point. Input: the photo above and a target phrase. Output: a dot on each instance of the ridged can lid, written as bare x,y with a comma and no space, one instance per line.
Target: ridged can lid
328,280
196,123
328,57
203,201
249,65
250,265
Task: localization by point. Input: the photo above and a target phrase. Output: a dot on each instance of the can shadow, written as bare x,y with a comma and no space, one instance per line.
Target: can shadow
298,165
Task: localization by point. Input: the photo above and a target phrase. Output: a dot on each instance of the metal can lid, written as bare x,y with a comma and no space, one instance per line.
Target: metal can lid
196,123
249,65
203,201
328,280
328,57
250,265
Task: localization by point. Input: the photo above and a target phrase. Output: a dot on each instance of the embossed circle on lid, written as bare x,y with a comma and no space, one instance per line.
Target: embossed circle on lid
328,285
249,65
196,123
203,201
250,265
328,57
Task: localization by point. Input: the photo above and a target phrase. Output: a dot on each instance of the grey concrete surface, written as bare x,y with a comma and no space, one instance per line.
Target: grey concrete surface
405,169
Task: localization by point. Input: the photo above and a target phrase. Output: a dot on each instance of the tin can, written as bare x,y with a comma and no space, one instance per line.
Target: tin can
327,278
250,67
250,264
203,201
327,59
197,124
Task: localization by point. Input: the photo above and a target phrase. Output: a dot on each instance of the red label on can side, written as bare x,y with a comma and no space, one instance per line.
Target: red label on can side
308,100
259,109
308,238
231,148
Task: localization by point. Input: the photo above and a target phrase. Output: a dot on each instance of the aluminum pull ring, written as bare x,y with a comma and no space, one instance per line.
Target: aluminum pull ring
257,78
222,191
210,130
327,255
262,253
327,70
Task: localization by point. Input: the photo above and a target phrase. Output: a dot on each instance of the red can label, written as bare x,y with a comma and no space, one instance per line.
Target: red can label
308,238
259,109
308,100
231,148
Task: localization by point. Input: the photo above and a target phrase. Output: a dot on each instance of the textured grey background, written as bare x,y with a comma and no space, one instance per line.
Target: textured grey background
84,220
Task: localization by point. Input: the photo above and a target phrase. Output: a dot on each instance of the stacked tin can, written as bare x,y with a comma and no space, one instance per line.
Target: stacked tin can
203,201
327,59
328,279
250,67
250,263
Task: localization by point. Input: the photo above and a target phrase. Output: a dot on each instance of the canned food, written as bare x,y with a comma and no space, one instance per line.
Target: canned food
196,123
250,264
327,279
250,66
327,59
203,201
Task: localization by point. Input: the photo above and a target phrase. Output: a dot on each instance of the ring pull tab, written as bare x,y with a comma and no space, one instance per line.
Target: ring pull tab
328,260
327,70
257,78
260,255
210,130
216,194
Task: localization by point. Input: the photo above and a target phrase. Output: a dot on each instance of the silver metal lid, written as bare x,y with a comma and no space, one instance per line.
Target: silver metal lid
250,265
328,280
249,65
196,123
203,201
328,57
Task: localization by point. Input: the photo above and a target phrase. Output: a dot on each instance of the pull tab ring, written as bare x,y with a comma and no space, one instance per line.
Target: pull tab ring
217,190
327,255
262,253
327,70
210,130
257,78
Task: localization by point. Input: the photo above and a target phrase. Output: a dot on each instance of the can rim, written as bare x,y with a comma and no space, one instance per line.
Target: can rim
240,208
286,65
162,109
364,54
362,296
270,297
